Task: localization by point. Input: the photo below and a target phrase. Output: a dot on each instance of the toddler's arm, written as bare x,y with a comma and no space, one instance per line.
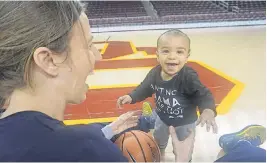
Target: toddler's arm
201,94
144,90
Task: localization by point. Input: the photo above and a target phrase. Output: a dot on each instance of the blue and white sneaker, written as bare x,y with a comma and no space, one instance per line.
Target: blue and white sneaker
254,134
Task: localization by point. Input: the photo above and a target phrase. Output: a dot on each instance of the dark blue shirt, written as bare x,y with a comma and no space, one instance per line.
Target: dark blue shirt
177,99
33,136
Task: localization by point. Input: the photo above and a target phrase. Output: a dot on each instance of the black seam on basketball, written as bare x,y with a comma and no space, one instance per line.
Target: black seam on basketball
153,155
140,146
131,156
149,138
122,142
153,142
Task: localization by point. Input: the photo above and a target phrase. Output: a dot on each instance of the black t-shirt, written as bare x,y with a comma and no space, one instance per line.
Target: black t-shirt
33,136
177,99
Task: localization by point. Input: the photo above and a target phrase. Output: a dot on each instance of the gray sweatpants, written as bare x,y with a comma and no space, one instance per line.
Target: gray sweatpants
161,132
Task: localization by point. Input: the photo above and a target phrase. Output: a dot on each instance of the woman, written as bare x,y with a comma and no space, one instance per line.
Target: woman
46,54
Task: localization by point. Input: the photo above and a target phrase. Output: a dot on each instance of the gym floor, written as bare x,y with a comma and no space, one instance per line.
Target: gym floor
230,61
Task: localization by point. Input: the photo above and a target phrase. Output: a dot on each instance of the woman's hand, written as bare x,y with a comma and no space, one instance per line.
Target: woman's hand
125,121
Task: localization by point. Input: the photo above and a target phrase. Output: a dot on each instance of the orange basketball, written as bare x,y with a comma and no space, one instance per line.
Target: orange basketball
138,146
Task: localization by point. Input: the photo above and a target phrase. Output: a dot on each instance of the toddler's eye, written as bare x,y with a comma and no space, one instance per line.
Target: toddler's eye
165,51
180,52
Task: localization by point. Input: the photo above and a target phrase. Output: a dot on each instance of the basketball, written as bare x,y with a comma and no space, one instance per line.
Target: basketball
138,146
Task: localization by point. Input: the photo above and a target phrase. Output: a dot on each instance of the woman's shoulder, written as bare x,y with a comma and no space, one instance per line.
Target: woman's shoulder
41,138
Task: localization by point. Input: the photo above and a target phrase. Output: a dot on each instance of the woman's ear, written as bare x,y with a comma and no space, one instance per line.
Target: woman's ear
46,61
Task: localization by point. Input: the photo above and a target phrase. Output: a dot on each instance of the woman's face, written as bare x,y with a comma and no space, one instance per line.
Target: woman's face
83,55
56,75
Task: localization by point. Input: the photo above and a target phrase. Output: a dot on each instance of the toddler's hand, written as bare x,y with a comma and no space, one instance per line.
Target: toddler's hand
126,99
208,117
